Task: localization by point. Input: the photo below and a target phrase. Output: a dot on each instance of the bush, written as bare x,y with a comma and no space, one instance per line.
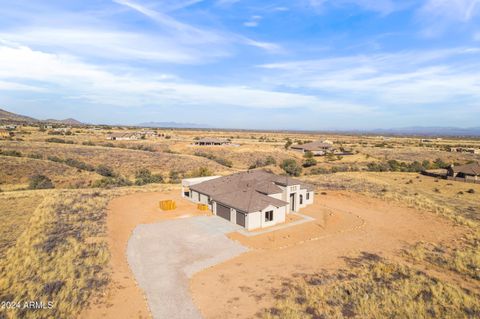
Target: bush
11,153
58,140
105,171
471,191
175,177
144,176
288,144
309,162
291,167
308,154
79,164
55,159
88,143
109,182
201,172
40,182
35,156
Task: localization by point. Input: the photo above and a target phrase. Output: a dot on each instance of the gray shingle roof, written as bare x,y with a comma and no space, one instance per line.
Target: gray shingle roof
468,169
248,191
313,146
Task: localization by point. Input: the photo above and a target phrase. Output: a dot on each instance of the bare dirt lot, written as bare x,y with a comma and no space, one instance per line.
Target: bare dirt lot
243,286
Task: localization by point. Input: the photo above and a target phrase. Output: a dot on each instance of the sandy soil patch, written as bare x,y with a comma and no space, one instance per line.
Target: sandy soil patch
243,286
124,299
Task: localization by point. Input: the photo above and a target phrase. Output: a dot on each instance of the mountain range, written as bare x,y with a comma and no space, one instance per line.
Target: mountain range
6,116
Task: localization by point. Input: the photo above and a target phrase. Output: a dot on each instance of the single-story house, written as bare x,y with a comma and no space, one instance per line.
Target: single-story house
470,150
252,199
318,148
468,172
208,141
128,136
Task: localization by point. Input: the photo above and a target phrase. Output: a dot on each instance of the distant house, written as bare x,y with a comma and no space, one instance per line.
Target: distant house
128,136
318,148
469,172
470,150
149,134
207,141
252,199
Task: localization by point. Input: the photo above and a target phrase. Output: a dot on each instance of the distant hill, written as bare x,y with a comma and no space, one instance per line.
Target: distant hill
431,131
6,116
68,121
172,125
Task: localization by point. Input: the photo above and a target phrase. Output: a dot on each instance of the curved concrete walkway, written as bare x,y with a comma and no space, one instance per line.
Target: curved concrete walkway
165,255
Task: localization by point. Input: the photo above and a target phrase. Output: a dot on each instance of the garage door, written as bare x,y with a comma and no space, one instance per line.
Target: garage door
223,211
241,219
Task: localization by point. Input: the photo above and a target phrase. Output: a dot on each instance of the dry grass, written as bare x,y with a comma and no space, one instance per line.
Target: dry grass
16,171
15,212
374,288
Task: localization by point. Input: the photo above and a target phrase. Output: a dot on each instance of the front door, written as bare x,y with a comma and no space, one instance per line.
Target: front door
292,202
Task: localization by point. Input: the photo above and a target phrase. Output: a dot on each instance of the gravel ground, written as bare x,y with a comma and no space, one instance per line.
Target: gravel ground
165,255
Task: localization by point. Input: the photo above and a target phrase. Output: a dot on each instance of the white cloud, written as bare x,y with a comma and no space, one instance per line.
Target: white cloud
79,80
254,21
407,78
457,10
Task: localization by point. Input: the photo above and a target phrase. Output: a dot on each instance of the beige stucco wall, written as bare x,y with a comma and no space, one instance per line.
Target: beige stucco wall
257,219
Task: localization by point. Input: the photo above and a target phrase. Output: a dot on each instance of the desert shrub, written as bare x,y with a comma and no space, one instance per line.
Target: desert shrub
10,153
110,182
58,140
79,164
35,156
105,171
175,177
55,159
288,144
219,160
201,172
291,167
309,162
88,143
269,160
144,176
142,147
308,154
40,182
471,191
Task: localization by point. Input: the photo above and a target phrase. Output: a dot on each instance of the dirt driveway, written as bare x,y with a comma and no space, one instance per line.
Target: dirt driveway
165,255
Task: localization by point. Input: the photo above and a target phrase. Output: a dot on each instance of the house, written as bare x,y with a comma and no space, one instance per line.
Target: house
149,134
468,173
318,148
465,150
208,141
129,136
252,199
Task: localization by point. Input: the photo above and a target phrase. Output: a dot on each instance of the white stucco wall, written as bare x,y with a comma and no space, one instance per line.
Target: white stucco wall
257,219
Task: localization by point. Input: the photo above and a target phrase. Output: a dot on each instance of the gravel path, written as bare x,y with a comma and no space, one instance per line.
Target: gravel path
165,255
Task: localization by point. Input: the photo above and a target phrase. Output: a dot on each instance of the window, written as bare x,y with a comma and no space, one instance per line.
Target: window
269,216
301,199
308,196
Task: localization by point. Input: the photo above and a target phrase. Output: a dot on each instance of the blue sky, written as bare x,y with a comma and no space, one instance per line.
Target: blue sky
306,64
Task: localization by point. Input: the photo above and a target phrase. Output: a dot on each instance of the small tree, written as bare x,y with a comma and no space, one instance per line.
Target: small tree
308,154
270,160
40,182
291,167
288,143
